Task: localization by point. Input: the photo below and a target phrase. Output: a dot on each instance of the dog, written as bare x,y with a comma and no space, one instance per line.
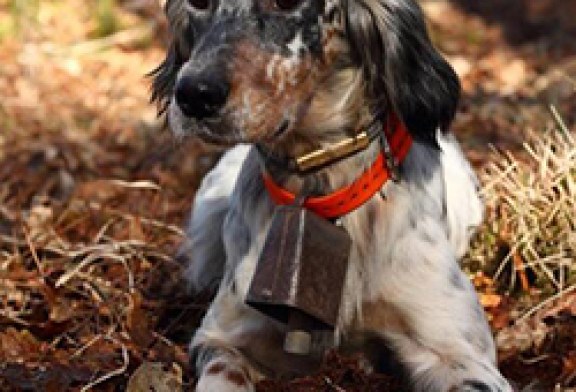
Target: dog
277,80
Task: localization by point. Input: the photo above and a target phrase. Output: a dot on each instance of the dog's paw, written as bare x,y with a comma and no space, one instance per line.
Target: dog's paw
479,386
220,376
463,376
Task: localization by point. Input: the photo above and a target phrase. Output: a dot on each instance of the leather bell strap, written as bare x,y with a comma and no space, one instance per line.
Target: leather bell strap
349,198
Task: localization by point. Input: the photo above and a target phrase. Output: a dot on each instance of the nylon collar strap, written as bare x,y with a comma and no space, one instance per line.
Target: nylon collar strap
349,198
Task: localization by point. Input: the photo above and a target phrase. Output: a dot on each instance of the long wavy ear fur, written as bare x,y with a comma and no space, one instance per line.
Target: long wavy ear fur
165,74
404,72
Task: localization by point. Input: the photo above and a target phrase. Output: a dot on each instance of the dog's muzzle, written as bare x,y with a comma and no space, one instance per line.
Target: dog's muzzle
201,95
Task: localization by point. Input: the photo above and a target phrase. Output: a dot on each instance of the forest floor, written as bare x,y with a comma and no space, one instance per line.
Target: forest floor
94,193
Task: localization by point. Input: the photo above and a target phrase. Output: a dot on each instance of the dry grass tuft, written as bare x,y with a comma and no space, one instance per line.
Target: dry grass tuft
528,239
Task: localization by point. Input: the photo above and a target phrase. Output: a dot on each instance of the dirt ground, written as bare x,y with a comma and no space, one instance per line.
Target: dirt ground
94,193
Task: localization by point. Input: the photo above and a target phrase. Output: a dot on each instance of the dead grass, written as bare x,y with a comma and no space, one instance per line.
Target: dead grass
529,236
93,195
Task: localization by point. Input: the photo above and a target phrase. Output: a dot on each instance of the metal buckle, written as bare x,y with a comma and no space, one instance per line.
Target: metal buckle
332,153
391,161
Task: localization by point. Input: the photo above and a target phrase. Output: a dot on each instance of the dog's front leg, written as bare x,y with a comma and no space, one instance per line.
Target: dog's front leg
236,345
217,346
230,327
428,310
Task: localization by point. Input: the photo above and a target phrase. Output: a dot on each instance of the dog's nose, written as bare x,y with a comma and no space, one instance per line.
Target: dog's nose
201,97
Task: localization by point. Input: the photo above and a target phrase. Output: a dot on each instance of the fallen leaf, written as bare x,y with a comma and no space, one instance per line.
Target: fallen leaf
17,346
490,300
156,377
569,366
138,323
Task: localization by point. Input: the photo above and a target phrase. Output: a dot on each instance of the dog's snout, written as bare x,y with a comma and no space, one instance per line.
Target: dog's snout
201,97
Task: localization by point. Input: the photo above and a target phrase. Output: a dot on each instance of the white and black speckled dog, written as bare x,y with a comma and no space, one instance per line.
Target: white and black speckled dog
292,76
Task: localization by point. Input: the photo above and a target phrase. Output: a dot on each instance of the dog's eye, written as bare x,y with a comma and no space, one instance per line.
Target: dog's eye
287,5
202,5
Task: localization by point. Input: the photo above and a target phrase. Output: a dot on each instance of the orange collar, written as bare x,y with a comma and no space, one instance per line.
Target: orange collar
351,197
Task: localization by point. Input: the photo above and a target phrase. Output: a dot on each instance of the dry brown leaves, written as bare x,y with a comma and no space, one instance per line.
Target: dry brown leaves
529,240
508,83
93,196
542,344
337,374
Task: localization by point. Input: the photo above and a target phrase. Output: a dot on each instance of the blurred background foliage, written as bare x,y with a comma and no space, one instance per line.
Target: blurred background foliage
94,190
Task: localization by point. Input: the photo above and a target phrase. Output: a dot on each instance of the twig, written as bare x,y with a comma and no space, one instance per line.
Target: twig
521,271
114,373
532,361
131,281
87,260
103,230
90,343
151,222
34,253
546,302
561,124
145,185
331,384
15,319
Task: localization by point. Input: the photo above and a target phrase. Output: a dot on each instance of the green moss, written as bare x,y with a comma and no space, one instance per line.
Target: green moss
107,21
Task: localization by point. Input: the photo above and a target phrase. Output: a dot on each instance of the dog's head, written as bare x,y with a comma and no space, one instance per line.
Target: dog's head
259,70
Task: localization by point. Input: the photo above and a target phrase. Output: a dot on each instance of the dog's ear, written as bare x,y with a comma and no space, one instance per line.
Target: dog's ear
165,77
165,74
404,73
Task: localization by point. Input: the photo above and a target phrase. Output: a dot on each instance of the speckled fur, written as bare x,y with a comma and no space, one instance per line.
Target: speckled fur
318,73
